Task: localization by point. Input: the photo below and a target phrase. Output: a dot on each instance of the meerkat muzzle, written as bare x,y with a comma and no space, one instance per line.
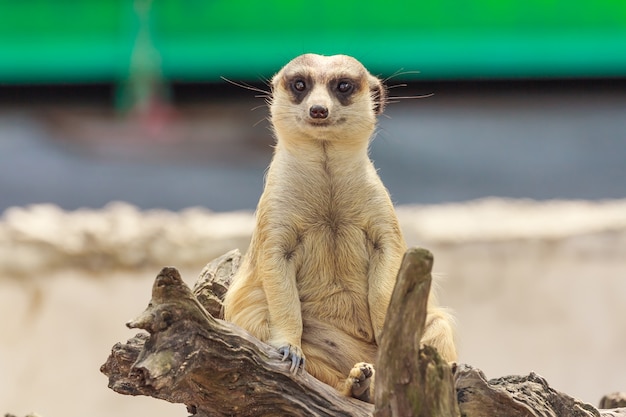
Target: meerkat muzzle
318,112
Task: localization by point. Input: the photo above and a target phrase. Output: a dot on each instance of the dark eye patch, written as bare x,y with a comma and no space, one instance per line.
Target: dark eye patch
299,86
343,89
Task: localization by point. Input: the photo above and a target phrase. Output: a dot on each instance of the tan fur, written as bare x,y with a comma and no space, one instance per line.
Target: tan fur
322,263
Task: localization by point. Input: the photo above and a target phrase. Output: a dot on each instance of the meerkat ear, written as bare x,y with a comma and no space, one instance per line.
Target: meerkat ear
378,90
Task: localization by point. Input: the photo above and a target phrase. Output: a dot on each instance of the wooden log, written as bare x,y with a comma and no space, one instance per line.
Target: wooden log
412,382
213,367
613,400
214,281
518,396
217,369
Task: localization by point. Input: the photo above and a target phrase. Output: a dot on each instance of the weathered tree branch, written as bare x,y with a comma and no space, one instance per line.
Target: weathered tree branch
214,281
613,400
411,381
518,396
217,369
213,367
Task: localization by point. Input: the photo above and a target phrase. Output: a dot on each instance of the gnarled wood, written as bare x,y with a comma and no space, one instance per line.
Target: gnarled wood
613,400
188,356
518,396
213,367
214,281
410,381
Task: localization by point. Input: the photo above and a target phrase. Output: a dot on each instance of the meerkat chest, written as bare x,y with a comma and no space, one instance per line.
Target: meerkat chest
332,263
330,211
332,205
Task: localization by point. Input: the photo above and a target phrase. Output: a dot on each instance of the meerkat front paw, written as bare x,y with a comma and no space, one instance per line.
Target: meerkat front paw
360,379
293,353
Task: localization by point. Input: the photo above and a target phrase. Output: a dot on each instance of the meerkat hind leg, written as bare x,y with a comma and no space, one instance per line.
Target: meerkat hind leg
359,382
439,333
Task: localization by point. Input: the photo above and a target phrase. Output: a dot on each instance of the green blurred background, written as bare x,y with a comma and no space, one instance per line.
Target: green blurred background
85,41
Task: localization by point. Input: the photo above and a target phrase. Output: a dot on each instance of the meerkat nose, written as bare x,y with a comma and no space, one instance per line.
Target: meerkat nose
318,112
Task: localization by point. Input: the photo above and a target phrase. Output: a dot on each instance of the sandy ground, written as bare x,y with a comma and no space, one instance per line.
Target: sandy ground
535,286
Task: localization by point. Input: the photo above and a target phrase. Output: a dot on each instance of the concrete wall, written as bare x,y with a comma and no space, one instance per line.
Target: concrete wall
535,286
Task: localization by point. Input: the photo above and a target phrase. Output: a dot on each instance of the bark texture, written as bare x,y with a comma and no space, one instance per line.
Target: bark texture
518,396
613,400
213,367
412,382
187,355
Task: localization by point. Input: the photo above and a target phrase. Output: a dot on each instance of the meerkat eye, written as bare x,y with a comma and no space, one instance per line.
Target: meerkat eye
344,87
299,85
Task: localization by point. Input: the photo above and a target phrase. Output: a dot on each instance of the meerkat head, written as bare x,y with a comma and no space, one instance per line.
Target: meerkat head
330,98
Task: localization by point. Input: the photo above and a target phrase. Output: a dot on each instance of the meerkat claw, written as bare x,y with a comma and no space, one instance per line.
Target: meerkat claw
295,354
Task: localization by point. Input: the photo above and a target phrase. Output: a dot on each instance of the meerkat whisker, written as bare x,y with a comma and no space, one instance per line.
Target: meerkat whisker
389,87
399,73
412,97
247,86
260,106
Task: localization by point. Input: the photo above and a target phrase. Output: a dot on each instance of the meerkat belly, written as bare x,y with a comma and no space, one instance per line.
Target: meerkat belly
332,278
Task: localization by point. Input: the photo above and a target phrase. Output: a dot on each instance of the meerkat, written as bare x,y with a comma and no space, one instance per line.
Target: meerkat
317,278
